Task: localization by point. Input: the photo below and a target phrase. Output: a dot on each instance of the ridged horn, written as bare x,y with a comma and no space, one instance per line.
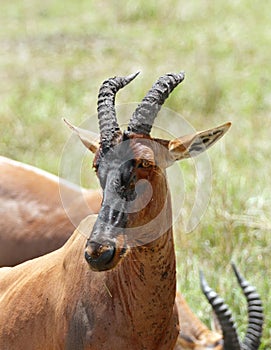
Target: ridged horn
223,314
143,117
254,331
108,124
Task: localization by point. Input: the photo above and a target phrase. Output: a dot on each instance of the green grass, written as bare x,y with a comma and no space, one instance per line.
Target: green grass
54,55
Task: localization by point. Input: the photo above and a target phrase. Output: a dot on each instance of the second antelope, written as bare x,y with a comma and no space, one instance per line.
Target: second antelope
195,335
117,289
33,221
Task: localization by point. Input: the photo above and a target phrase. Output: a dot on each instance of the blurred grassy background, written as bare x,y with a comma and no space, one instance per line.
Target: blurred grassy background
54,55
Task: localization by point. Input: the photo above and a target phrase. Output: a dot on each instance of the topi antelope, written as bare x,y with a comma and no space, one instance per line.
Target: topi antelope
117,289
33,221
27,188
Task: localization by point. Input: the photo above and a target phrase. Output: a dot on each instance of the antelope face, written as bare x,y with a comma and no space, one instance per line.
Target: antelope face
123,175
126,162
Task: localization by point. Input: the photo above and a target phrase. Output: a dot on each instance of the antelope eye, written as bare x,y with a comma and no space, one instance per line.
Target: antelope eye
144,163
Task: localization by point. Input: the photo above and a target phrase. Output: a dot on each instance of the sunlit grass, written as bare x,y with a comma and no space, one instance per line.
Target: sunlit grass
54,55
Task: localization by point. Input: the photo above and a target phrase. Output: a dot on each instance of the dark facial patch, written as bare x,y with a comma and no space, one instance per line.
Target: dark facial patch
118,171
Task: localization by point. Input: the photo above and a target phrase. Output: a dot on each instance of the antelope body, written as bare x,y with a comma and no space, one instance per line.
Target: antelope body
117,290
33,221
19,184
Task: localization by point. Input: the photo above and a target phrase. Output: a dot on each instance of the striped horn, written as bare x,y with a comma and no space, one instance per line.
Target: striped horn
223,314
142,119
253,335
108,124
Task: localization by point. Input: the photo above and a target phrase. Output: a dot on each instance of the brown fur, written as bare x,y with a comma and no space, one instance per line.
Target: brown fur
32,219
76,308
34,197
193,333
57,302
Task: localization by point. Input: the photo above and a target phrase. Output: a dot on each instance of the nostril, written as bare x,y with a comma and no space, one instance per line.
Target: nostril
99,255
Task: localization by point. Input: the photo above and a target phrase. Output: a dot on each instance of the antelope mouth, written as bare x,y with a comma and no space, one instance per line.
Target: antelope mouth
106,255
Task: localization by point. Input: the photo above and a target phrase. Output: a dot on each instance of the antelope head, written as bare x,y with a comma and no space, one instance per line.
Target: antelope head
224,316
130,166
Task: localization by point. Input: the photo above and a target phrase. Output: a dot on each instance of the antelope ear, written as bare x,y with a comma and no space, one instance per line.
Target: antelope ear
191,145
88,138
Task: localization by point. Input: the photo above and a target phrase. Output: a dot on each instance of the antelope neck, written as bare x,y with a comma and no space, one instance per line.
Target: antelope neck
145,286
146,279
